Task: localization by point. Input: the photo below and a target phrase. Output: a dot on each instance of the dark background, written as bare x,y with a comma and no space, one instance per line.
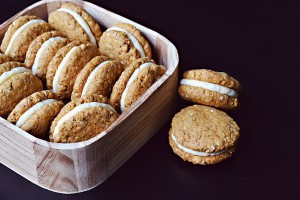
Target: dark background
258,44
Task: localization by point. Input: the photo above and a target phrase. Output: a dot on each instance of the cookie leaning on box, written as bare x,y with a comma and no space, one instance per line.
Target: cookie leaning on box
20,34
82,119
16,83
203,135
211,88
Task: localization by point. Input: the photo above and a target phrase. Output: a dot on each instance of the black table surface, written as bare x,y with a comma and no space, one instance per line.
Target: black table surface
258,44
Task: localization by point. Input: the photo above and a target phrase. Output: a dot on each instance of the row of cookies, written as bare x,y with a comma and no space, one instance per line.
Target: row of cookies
202,134
57,61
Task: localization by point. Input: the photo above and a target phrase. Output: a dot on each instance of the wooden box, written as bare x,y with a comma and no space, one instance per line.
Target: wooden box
73,168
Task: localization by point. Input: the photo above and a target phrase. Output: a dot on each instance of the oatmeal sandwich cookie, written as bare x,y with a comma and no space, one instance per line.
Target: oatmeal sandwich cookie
75,23
97,77
42,50
35,113
66,65
124,42
4,58
16,83
134,81
203,135
20,34
82,119
211,88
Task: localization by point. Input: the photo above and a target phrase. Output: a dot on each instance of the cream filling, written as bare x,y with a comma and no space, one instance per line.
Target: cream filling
32,110
196,153
134,41
78,109
81,22
19,32
130,81
60,68
11,73
92,76
41,51
210,86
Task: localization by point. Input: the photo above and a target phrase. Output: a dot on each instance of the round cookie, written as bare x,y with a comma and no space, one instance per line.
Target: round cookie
66,65
4,58
42,50
20,34
75,23
211,88
124,42
16,83
203,135
135,81
97,77
36,112
82,119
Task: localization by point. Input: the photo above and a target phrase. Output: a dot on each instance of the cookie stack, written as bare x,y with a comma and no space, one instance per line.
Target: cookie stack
202,134
66,81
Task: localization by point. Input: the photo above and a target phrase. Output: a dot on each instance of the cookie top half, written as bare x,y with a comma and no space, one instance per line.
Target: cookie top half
16,83
124,42
82,119
66,65
204,129
210,88
42,50
20,34
97,77
35,113
75,23
134,81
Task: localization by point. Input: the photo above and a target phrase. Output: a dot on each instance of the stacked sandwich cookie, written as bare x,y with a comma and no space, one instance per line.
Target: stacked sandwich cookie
62,82
202,134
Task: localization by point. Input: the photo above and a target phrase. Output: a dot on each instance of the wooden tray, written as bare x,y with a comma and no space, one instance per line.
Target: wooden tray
73,168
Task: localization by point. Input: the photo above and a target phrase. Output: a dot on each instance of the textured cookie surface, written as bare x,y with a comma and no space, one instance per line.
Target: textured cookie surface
77,60
38,124
203,129
117,45
22,42
13,90
97,77
68,26
85,124
209,97
4,58
9,66
47,54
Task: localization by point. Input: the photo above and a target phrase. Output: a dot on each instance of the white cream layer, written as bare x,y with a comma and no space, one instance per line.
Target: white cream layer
92,76
210,86
81,22
19,32
196,153
41,51
60,68
11,73
25,116
78,109
134,41
130,81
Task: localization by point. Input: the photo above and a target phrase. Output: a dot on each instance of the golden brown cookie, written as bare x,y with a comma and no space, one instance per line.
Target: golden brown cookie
42,50
203,135
16,83
66,65
20,34
4,58
211,88
82,119
97,77
134,81
75,23
36,112
124,42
